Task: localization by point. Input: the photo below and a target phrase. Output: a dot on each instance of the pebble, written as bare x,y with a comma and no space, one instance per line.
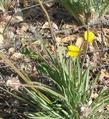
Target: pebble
14,83
27,60
17,56
11,50
24,27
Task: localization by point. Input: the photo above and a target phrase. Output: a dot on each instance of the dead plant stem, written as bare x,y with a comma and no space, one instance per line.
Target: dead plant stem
7,24
22,75
85,53
49,21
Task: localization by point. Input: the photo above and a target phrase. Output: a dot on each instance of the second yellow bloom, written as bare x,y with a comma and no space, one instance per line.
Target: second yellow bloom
73,51
89,36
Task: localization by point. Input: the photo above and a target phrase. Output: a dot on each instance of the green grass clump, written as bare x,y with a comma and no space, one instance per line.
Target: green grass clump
86,10
70,98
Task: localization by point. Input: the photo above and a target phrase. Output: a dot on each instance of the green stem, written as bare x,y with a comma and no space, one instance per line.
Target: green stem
84,56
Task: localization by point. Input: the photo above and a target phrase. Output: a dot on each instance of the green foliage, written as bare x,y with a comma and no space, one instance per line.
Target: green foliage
71,96
4,4
86,10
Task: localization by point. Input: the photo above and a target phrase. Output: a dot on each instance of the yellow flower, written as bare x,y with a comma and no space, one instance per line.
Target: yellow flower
73,51
89,36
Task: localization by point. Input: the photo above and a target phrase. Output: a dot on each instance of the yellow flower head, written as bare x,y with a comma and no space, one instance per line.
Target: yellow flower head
89,36
73,51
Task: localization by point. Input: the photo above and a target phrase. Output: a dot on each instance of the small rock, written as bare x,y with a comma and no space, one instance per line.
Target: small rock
24,27
11,50
9,34
17,56
14,83
26,59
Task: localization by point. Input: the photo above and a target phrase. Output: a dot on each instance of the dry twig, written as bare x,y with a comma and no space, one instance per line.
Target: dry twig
49,21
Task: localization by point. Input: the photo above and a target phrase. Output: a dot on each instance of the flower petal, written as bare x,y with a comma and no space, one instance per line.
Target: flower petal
73,54
89,36
73,48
